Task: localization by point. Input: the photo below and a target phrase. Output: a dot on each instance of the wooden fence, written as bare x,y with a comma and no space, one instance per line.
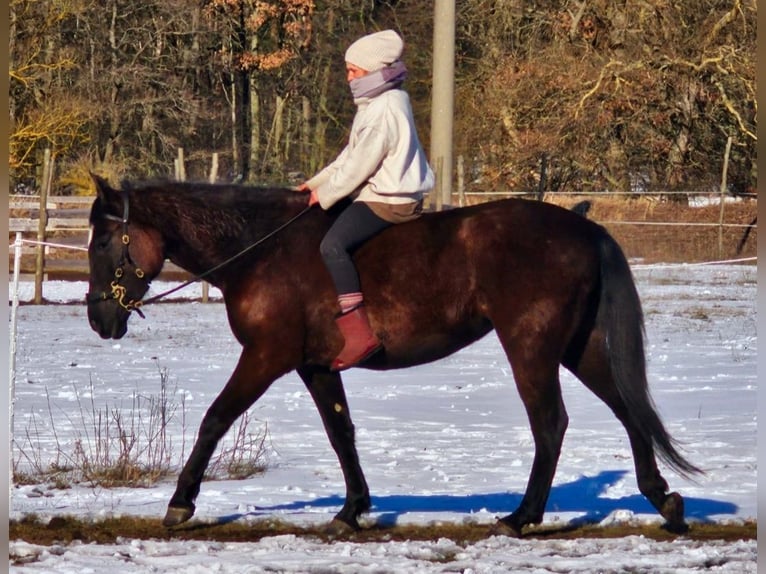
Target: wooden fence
55,231
54,234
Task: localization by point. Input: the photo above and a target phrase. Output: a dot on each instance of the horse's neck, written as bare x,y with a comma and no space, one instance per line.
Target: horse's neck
199,238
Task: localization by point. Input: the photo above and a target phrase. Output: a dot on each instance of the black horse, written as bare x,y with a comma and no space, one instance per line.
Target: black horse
555,287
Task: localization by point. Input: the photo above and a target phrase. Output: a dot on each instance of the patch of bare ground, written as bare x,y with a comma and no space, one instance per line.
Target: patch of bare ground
63,530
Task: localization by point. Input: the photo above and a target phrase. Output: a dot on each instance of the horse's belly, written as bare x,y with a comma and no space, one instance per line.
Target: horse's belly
425,347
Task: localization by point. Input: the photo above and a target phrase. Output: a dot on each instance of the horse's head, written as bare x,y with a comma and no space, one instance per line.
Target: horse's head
123,256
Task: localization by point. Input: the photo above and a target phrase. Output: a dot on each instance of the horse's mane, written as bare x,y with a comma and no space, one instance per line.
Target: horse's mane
219,195
212,209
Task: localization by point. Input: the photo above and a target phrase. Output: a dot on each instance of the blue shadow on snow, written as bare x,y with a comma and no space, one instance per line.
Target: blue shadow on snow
582,496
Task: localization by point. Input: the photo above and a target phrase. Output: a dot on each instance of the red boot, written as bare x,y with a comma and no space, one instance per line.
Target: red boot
360,341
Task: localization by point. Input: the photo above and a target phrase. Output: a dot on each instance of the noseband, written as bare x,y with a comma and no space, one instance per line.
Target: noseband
119,292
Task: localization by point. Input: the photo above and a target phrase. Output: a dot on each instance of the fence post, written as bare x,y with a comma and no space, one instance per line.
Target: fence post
42,223
723,196
12,362
214,169
211,178
460,181
543,177
180,165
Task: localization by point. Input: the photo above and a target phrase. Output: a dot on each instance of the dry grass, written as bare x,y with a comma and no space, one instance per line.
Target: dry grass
135,446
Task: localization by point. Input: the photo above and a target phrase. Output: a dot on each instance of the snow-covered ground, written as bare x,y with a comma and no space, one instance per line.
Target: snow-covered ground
447,441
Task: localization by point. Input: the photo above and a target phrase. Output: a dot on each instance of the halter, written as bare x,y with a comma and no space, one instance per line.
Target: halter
119,292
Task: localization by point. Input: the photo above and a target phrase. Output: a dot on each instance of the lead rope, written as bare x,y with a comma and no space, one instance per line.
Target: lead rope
223,263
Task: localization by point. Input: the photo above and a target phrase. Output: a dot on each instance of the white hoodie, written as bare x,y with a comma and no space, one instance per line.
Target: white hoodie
383,161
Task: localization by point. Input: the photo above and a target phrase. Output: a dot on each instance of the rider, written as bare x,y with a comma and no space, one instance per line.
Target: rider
383,168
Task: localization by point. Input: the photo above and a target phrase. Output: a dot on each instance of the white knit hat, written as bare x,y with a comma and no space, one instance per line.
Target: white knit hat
375,51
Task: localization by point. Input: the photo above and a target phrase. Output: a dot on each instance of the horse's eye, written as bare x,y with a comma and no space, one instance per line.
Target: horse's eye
101,243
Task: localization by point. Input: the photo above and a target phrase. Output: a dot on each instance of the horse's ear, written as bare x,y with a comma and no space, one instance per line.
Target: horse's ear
109,199
101,185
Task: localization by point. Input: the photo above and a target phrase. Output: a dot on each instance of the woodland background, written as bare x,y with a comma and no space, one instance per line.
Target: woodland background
613,95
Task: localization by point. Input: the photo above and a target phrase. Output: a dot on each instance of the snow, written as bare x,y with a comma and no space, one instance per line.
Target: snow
444,442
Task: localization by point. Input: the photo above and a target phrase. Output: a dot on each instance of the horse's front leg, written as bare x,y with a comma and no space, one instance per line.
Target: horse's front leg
249,381
326,389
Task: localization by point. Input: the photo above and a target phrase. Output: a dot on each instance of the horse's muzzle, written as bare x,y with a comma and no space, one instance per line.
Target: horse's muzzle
111,327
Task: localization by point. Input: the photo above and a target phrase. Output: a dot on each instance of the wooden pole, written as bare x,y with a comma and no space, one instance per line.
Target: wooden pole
12,360
543,177
180,165
724,175
211,178
443,98
42,223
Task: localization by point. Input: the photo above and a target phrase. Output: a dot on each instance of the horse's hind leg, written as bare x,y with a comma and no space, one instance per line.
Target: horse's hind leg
537,380
594,371
326,389
248,382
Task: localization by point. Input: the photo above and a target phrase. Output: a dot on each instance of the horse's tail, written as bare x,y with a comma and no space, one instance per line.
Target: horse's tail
621,319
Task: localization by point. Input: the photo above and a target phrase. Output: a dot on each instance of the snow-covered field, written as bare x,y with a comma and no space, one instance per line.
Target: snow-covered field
447,441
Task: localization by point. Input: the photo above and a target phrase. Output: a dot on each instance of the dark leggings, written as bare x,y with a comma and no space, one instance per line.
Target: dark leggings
354,226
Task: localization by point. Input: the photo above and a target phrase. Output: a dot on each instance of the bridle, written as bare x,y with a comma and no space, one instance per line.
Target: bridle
119,292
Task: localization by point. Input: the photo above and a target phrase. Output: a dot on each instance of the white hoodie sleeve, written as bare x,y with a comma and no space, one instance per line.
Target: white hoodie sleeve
383,161
349,172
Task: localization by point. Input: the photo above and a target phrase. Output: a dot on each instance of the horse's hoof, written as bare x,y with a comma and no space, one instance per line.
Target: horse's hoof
177,515
337,527
673,511
501,528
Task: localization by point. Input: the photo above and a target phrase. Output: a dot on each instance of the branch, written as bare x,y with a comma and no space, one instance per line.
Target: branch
601,76
725,19
704,63
29,72
730,107
576,19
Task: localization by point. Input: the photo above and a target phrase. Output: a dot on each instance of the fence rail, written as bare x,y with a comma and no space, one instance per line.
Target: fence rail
56,235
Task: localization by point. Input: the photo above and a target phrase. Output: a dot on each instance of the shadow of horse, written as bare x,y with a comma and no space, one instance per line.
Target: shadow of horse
583,495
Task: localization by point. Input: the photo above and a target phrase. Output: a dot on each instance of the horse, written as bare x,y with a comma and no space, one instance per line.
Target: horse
555,286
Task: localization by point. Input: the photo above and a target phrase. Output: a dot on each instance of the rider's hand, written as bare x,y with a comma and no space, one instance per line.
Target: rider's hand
313,198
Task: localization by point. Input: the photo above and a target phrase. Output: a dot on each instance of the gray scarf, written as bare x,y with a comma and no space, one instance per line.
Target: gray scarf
379,81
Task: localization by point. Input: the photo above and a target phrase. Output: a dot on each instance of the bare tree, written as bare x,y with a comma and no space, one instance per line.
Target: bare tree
615,94
37,65
619,95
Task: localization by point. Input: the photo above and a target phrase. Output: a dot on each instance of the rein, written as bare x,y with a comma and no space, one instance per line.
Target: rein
227,261
119,291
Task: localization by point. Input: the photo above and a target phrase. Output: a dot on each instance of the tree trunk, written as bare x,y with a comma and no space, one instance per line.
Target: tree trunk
11,63
677,157
278,131
255,124
233,110
304,127
243,120
319,145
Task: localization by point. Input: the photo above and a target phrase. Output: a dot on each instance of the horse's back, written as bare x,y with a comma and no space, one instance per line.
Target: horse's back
441,282
505,240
